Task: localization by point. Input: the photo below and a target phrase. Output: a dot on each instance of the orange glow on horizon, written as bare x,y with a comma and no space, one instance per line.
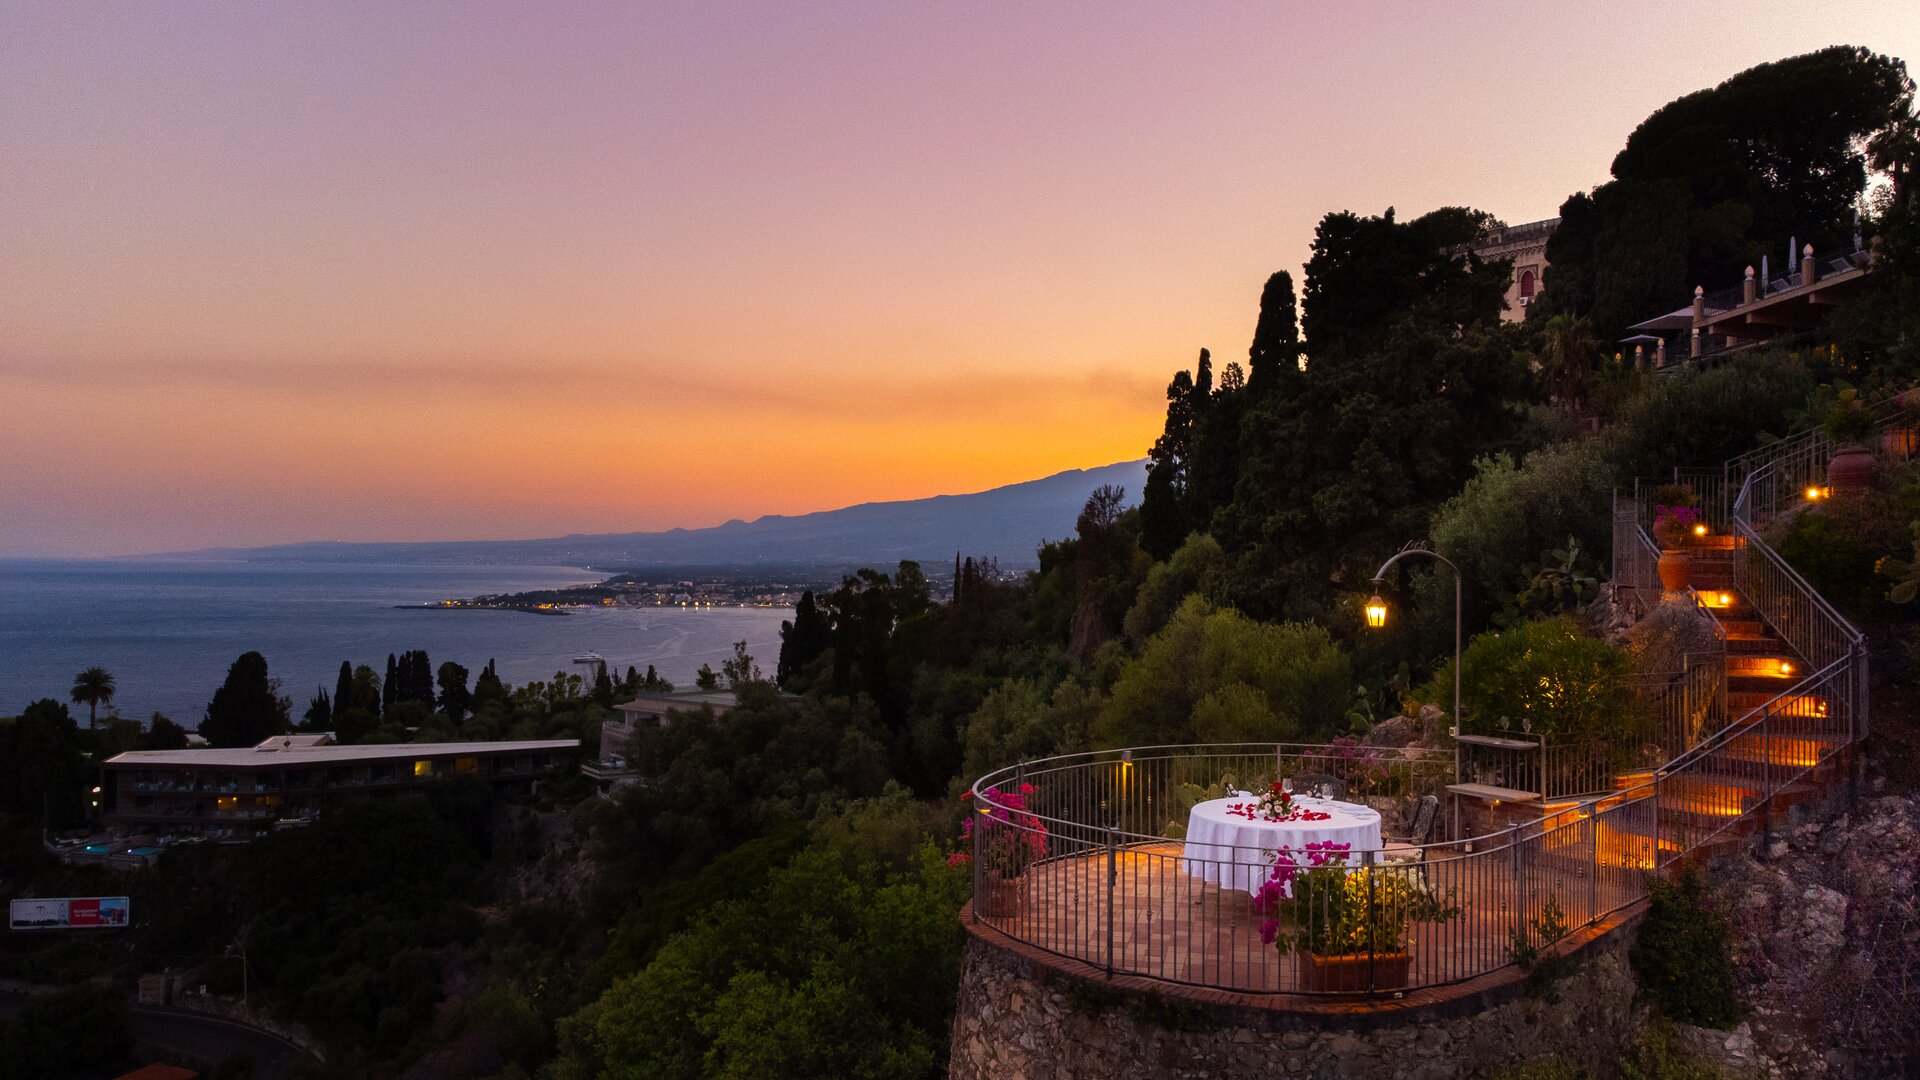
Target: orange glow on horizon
373,273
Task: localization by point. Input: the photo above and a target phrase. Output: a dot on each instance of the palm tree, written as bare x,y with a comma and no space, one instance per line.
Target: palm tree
1568,357
93,688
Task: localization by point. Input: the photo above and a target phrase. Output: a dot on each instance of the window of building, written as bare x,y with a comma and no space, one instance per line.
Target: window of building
423,768
1526,284
466,766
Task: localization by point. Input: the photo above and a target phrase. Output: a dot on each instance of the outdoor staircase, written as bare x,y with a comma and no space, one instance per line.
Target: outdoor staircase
1714,800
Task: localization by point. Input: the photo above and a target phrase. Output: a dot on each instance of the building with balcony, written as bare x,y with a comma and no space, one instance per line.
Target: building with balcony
1764,309
287,780
615,768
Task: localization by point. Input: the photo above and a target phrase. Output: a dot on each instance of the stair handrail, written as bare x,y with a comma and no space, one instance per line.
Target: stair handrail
1740,726
1812,447
1815,644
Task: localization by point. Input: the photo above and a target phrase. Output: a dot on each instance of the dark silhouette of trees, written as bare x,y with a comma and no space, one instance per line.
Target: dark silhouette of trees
803,639
319,711
247,708
93,688
1716,179
44,773
1334,446
413,674
739,669
343,689
1274,357
455,701
164,734
488,689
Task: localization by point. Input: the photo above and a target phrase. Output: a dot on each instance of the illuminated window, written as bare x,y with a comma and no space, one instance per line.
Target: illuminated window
466,765
423,768
226,802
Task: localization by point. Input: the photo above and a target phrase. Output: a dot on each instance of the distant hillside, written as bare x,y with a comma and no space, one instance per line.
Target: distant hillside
1006,522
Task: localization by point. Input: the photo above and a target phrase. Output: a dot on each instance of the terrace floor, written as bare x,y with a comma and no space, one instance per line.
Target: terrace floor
1170,925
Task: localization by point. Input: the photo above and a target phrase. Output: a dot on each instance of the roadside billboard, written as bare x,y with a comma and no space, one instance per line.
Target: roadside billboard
67,913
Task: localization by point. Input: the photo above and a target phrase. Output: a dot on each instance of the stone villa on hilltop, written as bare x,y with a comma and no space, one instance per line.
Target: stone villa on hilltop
1526,245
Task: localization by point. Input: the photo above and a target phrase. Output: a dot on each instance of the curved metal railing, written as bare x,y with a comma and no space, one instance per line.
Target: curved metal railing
1100,874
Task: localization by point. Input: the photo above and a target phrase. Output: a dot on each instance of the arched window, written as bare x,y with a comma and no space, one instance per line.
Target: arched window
1526,284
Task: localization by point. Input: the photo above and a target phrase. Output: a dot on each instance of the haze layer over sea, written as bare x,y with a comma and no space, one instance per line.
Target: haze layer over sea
169,630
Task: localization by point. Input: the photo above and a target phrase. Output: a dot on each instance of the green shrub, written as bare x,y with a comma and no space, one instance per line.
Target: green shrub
1218,676
1509,513
1703,418
1837,546
1545,676
1682,956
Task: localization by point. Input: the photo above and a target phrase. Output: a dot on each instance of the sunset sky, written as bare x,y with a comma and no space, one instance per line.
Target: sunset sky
276,271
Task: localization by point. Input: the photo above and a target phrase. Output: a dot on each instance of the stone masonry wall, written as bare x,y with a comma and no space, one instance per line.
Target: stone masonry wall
1017,1018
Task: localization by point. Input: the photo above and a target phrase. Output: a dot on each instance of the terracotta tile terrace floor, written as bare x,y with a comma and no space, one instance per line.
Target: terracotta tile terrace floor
1169,924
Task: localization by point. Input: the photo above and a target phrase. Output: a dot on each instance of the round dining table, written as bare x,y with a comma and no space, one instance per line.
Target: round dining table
1235,853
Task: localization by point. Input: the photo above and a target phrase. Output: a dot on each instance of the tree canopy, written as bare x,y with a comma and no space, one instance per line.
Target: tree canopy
1716,179
247,708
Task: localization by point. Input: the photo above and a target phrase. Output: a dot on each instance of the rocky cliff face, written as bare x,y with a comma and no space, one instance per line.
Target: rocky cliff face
1827,937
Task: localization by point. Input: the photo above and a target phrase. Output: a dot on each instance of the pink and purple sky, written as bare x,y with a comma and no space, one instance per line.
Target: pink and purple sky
283,271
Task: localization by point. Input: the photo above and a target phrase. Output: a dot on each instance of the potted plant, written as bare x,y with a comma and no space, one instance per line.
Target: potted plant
1347,926
1672,524
1006,837
1849,425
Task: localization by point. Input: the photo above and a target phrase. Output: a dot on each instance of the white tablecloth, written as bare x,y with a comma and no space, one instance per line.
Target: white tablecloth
1235,853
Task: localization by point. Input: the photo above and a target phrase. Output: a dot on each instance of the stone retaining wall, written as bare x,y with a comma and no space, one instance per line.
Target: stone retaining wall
1019,1016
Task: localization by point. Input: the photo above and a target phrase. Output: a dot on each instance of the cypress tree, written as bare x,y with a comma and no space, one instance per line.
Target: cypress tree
1275,354
802,640
245,709
343,688
319,710
390,687
488,687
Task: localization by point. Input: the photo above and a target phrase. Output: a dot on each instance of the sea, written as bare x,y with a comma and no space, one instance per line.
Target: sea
168,631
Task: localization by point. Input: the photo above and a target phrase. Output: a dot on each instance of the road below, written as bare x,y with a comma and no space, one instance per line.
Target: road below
198,1036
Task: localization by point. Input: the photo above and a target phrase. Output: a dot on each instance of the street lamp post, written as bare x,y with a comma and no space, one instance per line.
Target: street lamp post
1377,618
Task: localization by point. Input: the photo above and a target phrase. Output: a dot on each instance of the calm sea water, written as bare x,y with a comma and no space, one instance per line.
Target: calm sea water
168,631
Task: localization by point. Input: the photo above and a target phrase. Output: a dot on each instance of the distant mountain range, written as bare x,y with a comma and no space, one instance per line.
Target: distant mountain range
1007,523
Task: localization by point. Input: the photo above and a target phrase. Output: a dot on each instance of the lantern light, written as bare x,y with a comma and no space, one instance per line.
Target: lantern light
1813,494
1376,612
1700,530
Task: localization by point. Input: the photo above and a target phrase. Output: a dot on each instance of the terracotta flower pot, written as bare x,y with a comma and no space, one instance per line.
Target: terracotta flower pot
1353,974
1675,568
1000,897
1851,468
